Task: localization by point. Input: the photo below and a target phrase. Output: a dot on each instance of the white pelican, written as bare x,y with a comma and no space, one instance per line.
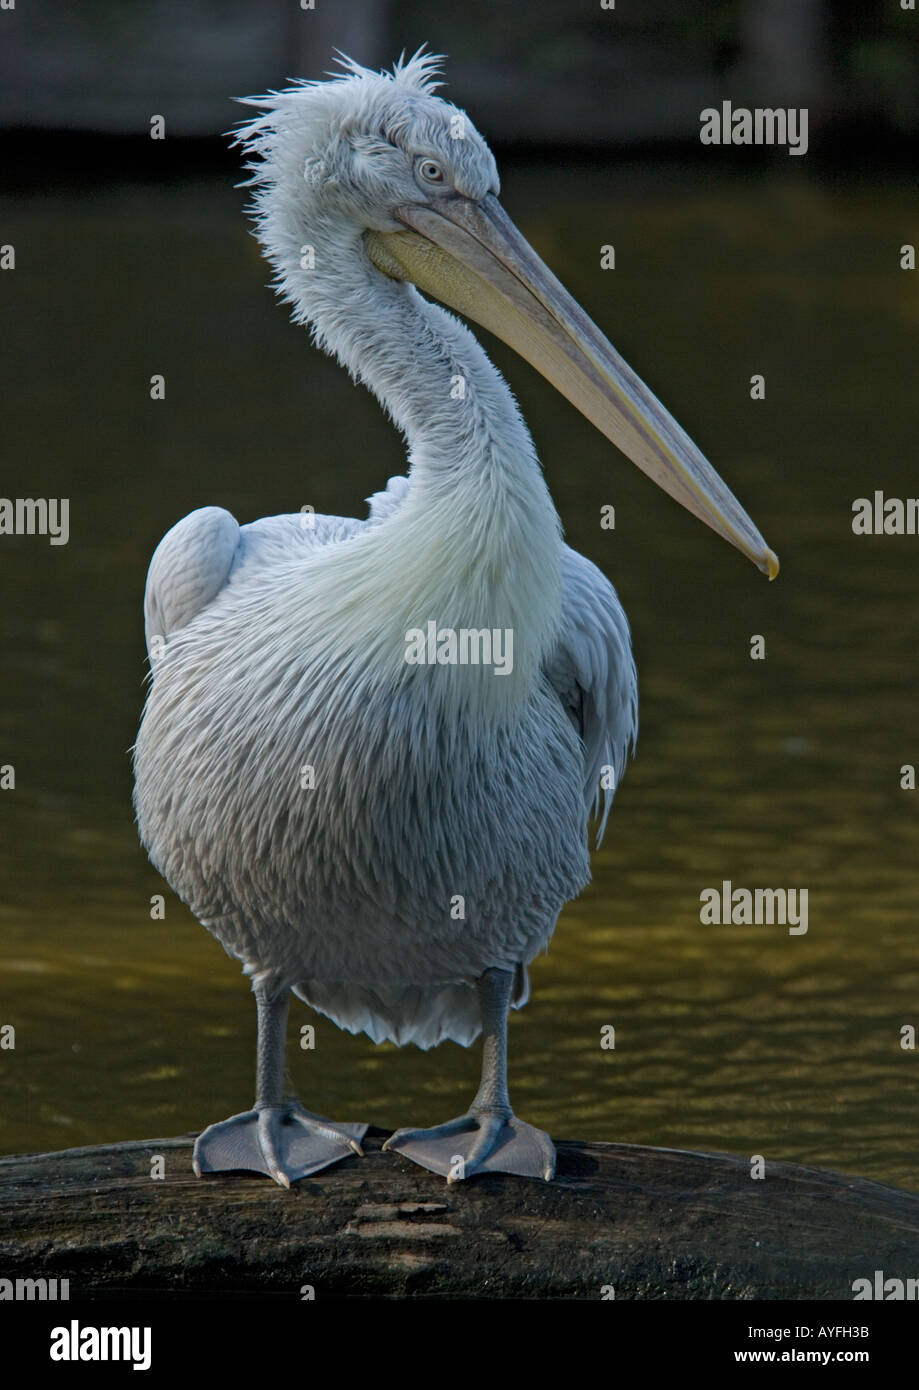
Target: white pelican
373,822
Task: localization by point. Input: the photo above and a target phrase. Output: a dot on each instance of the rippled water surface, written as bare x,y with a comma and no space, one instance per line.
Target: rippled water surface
782,772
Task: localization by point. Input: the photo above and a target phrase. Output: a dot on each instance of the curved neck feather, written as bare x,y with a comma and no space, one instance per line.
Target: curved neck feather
477,542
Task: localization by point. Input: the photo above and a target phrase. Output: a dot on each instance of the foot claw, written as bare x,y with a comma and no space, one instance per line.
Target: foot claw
408,1136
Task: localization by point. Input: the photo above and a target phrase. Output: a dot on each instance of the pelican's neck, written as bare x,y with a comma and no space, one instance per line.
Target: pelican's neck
426,369
477,542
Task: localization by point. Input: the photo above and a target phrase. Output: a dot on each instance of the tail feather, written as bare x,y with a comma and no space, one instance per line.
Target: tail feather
410,1014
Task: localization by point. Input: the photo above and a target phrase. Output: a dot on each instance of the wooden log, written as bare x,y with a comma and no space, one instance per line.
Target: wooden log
652,1223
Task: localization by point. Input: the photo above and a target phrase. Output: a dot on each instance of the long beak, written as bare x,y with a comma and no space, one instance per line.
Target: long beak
471,257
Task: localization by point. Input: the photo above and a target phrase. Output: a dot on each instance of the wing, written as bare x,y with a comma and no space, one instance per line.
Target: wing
189,568
207,548
594,674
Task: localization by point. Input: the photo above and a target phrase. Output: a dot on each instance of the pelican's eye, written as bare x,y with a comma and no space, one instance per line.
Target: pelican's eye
431,171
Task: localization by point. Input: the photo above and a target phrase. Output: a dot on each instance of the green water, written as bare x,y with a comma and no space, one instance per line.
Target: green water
782,772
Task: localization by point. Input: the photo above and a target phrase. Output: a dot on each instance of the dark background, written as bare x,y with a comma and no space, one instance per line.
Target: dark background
537,75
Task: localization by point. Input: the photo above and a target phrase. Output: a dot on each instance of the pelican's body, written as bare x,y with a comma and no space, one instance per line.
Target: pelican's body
422,790
392,837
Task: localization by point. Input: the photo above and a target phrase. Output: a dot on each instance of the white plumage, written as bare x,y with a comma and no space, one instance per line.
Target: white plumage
321,804
343,891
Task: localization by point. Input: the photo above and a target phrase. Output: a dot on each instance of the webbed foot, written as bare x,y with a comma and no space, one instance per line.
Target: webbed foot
479,1142
285,1142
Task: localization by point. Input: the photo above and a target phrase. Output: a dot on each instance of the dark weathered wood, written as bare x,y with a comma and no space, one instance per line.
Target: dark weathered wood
654,1223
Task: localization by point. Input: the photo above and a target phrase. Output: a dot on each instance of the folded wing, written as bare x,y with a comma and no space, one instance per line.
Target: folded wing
593,673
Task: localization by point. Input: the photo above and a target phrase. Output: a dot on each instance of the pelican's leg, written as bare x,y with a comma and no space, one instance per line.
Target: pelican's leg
278,1137
488,1138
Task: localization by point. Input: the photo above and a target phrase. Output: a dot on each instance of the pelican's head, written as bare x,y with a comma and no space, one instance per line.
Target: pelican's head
364,144
406,177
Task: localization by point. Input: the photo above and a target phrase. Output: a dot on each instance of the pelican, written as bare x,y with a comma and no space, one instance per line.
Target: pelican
370,749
